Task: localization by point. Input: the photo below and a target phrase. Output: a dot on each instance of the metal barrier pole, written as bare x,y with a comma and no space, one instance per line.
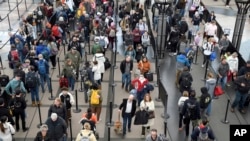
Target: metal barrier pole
196,54
64,50
225,121
205,75
39,114
51,92
9,5
81,82
77,110
25,5
18,13
70,128
1,61
59,70
9,22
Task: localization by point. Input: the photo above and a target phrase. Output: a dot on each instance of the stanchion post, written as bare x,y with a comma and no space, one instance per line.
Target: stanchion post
9,5
51,91
17,6
196,55
64,50
8,16
77,110
110,123
1,62
158,99
225,121
39,114
25,5
59,70
81,82
70,128
89,46
205,75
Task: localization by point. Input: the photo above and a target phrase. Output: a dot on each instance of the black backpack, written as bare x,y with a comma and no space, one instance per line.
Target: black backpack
186,82
191,110
31,80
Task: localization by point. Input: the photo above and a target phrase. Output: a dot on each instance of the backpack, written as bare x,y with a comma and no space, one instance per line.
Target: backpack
93,98
31,80
63,82
203,136
14,55
185,82
190,54
53,48
112,33
102,42
191,109
162,137
42,67
55,31
17,104
85,138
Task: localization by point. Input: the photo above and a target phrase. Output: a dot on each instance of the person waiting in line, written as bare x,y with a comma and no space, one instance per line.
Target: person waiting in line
153,136
4,111
130,52
86,132
69,72
43,70
174,38
233,63
97,73
32,83
181,62
210,84
222,72
42,134
205,100
95,100
127,109
223,45
75,57
126,68
182,99
6,129
185,80
144,66
90,118
99,57
19,105
208,48
59,108
139,53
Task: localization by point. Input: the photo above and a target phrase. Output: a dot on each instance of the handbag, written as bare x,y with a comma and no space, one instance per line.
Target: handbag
151,114
141,117
218,90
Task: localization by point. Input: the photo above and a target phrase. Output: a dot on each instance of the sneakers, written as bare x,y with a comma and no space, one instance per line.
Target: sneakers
232,110
129,130
228,85
202,65
242,111
25,129
227,6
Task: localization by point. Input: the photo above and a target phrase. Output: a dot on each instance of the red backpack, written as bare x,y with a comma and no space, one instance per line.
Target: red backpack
55,31
63,82
14,55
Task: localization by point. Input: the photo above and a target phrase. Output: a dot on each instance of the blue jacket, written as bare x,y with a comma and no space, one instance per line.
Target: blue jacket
40,48
182,61
12,39
46,65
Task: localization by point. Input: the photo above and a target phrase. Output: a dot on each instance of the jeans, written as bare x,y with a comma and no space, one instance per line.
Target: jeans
155,22
223,81
53,60
71,80
209,109
239,99
182,12
126,120
21,57
45,78
140,96
35,94
126,79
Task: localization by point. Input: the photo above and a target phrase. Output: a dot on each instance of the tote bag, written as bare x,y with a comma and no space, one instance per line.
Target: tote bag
218,90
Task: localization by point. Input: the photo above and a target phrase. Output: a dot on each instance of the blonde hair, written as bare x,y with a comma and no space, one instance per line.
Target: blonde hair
210,75
87,126
185,93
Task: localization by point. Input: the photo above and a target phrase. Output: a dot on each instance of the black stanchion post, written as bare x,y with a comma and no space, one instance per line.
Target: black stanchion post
59,70
165,115
89,45
17,6
51,91
64,50
205,75
8,16
110,122
77,110
70,128
25,5
81,82
225,121
9,5
1,62
196,55
165,127
39,114
158,99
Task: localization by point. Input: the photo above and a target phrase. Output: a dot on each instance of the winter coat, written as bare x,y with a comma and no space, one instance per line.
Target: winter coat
39,137
195,134
59,110
137,35
13,84
244,80
130,53
182,61
46,65
223,69
76,58
123,66
123,107
150,106
196,115
139,84
87,133
129,39
210,84
99,57
69,70
5,112
97,72
144,66
19,105
205,98
67,99
57,129
9,130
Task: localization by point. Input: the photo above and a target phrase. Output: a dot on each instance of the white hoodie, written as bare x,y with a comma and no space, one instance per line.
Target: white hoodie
233,63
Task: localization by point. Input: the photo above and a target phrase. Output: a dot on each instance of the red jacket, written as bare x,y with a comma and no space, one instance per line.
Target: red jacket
138,84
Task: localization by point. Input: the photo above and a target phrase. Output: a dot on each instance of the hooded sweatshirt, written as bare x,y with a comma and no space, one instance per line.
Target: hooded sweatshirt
205,98
223,69
210,84
182,61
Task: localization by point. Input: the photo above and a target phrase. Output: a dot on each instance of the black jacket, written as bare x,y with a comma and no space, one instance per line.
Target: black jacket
61,111
205,98
123,107
123,66
242,89
196,115
19,104
66,100
5,112
57,128
39,137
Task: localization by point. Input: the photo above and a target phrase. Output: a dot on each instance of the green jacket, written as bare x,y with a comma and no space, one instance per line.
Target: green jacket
69,70
76,58
96,48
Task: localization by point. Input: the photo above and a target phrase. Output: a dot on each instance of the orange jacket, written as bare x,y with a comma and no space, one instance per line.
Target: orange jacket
144,66
93,117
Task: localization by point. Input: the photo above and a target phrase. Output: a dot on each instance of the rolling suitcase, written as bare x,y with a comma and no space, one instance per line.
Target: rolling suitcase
4,80
149,76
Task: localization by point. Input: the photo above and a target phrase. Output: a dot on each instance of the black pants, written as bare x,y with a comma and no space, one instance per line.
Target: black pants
206,58
17,116
227,2
173,46
143,129
53,60
180,120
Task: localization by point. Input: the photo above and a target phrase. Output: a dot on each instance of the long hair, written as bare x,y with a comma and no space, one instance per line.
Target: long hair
3,120
89,113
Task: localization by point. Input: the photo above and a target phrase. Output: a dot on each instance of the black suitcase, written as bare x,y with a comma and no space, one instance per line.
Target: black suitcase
149,76
4,80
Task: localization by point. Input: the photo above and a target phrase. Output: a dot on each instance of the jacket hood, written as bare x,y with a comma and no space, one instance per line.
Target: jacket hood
204,90
181,58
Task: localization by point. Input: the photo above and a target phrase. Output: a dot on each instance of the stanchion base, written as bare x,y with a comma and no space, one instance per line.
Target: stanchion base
81,90
110,124
52,98
113,85
224,121
203,79
165,117
10,29
157,99
77,110
39,125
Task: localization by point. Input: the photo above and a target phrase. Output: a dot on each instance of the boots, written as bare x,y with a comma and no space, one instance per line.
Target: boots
39,102
24,126
33,104
122,85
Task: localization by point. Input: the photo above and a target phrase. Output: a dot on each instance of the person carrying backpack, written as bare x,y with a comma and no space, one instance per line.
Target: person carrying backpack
32,83
13,57
191,111
205,100
185,81
203,132
181,101
96,46
43,49
95,100
43,71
